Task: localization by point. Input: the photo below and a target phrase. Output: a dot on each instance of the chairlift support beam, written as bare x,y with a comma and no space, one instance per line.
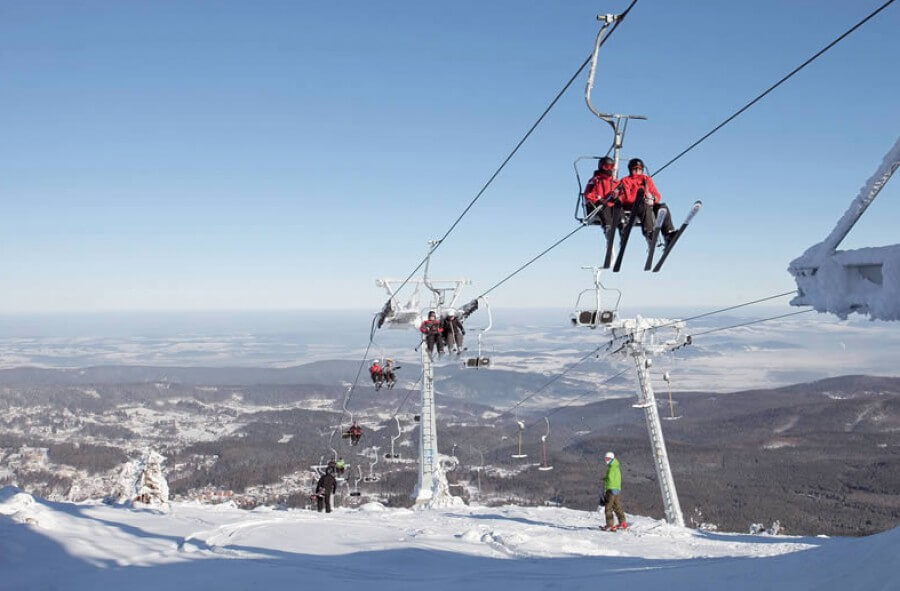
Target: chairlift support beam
618,122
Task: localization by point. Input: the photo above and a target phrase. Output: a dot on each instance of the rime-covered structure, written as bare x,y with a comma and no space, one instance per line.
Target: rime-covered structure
143,481
865,280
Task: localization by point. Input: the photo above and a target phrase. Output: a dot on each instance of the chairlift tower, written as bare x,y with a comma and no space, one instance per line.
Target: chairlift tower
641,344
432,484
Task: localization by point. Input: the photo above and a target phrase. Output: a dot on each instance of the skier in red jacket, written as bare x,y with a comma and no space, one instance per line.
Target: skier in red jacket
602,190
377,374
432,330
638,190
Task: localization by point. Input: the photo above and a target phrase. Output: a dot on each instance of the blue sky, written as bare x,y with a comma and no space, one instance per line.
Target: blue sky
271,155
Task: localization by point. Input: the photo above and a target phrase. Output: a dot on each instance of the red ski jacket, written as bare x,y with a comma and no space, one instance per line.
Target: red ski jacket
431,327
630,186
375,369
599,187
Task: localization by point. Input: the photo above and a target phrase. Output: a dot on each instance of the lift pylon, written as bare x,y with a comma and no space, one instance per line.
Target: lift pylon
432,486
641,343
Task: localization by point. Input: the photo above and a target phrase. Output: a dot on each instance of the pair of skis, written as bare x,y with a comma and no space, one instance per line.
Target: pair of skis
654,237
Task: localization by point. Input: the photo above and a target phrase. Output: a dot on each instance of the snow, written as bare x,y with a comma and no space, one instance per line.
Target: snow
84,546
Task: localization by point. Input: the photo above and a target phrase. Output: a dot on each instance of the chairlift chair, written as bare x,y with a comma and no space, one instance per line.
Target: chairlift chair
591,313
480,360
545,466
355,492
519,455
371,476
393,455
671,417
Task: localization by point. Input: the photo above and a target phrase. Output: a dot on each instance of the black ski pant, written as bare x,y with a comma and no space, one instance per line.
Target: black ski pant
323,502
432,339
453,338
647,221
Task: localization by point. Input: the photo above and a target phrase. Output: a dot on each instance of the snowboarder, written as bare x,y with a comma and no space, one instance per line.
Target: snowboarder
325,488
453,332
639,191
432,330
377,374
390,378
602,191
612,494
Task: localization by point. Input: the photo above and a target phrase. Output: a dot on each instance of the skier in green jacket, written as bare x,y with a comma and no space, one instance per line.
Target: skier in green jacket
612,494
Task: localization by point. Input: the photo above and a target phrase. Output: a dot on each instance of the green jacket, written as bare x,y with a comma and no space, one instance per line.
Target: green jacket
613,478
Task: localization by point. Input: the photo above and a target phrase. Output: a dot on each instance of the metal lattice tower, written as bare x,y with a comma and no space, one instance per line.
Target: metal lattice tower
640,344
428,446
432,483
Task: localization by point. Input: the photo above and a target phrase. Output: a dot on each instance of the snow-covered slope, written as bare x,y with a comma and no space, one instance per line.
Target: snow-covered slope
47,545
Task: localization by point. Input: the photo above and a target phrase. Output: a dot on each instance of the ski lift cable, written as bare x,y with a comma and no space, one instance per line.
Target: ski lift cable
550,414
712,313
408,394
776,85
712,330
580,396
532,260
516,148
554,379
714,130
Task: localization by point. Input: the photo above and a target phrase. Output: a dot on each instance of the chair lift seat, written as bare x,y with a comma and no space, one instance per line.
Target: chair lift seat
476,362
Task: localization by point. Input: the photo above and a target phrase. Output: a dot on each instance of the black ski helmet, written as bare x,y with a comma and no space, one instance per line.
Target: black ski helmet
635,162
605,160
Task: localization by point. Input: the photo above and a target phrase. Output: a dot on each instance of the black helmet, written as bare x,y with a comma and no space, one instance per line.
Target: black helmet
635,162
605,160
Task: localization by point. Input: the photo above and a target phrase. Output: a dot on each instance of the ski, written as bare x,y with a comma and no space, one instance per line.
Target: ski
626,232
611,234
660,218
668,248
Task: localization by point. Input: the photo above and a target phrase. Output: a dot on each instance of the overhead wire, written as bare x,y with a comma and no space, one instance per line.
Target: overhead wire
712,330
712,313
521,142
484,188
571,233
715,129
776,85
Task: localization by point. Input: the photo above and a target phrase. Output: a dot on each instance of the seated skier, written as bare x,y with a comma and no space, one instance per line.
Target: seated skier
639,191
354,433
431,329
453,332
377,374
390,378
602,191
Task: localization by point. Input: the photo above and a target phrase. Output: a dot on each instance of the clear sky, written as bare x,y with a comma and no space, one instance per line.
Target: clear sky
269,155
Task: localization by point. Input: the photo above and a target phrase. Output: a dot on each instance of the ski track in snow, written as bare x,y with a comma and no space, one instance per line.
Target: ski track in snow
80,546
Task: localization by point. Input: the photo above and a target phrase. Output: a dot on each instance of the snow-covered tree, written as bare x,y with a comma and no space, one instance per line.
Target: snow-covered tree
143,481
